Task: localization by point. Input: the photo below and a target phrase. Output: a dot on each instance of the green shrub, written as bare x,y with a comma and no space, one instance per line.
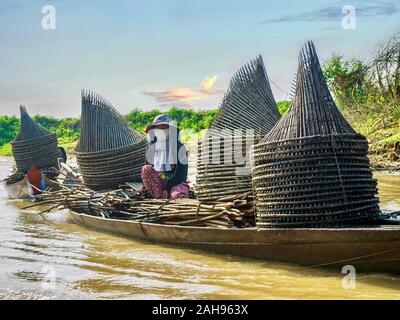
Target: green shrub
5,150
283,106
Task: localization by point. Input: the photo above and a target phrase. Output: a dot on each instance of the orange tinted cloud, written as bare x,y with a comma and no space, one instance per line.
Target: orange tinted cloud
208,82
186,94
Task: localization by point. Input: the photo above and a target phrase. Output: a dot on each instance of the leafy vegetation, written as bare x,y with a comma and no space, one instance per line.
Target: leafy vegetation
8,129
283,106
368,92
5,150
185,118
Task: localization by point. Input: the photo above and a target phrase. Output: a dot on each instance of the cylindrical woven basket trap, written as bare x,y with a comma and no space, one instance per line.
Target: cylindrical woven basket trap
223,167
109,152
312,169
34,145
247,112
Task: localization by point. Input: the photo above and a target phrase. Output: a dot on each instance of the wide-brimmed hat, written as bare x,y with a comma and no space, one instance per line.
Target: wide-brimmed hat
162,121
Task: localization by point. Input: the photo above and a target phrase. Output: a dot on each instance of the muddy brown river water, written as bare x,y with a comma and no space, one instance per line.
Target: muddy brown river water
50,257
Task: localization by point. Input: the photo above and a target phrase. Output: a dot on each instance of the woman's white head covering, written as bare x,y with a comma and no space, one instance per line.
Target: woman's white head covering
162,155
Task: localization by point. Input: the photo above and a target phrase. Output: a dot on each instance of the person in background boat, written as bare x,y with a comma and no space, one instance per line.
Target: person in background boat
67,174
165,174
36,179
63,154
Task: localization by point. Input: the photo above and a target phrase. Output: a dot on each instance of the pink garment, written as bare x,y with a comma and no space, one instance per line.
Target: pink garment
180,191
156,185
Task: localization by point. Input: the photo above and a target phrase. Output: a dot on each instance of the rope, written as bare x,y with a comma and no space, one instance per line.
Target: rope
334,147
90,199
197,211
279,88
356,258
141,228
162,205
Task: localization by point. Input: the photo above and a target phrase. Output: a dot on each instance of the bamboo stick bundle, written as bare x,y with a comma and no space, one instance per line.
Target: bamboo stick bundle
127,203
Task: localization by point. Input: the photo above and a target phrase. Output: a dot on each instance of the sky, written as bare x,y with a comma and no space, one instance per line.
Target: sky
150,54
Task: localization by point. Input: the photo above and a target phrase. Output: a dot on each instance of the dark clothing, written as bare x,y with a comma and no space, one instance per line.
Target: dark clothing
63,154
180,173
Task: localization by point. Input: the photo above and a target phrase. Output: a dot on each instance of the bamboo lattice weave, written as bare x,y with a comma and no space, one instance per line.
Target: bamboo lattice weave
313,110
109,152
249,102
29,129
34,145
223,166
248,105
102,127
311,169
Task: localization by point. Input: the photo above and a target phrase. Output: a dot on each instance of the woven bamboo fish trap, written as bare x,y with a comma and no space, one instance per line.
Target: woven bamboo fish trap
109,152
312,169
34,145
248,103
223,166
247,112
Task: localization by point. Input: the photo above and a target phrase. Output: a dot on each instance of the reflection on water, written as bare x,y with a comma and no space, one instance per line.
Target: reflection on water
89,264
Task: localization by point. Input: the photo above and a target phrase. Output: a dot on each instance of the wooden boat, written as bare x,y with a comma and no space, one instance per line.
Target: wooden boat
369,248
23,189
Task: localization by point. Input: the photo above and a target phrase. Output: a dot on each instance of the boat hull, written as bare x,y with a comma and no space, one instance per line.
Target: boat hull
19,190
368,249
22,190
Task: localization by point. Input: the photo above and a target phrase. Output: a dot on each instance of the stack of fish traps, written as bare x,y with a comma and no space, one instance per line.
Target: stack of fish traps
109,153
312,169
34,145
247,112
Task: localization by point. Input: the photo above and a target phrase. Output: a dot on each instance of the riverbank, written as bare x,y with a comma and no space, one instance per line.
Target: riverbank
384,149
5,158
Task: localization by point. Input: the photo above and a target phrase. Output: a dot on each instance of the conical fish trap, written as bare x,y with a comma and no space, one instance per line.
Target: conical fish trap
247,112
249,103
34,145
312,169
109,152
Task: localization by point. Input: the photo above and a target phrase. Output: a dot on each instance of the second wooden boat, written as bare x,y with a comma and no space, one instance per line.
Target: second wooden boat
23,189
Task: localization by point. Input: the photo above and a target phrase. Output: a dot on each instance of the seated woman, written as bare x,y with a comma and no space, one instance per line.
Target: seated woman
165,174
